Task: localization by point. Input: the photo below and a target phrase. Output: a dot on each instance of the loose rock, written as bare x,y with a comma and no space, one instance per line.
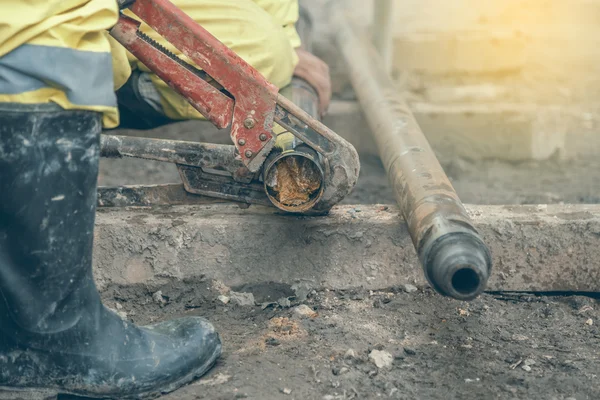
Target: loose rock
589,322
286,391
218,379
410,351
350,354
519,338
158,298
271,341
408,288
242,299
302,290
304,311
526,368
220,287
223,299
381,358
284,302
529,362
339,370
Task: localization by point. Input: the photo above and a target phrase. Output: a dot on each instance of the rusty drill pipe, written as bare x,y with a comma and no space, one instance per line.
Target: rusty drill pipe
456,261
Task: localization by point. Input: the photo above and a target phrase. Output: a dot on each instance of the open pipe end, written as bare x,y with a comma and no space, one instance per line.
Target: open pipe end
293,180
459,265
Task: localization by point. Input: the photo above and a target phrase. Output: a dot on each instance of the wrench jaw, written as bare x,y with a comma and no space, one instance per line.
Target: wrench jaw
344,169
196,181
338,159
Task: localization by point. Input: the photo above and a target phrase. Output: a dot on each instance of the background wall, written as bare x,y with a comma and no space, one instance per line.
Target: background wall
509,79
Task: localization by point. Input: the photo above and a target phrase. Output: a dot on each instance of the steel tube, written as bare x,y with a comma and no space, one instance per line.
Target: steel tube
455,259
383,19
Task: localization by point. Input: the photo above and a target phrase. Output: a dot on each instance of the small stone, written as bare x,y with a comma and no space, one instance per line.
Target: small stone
463,313
409,351
118,306
519,338
223,299
336,370
589,322
471,380
218,379
382,359
268,304
408,288
242,299
271,341
526,368
339,370
529,362
350,354
286,391
284,302
304,311
220,287
302,290
158,298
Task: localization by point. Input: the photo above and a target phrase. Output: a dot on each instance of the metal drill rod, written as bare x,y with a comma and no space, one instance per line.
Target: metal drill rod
455,259
383,24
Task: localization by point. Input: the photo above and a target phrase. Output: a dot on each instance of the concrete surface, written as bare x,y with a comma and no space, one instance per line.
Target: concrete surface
535,248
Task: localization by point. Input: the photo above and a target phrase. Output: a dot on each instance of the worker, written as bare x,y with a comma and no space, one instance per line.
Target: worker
262,32
56,90
56,94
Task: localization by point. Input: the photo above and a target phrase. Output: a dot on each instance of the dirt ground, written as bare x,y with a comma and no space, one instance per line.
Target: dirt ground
500,346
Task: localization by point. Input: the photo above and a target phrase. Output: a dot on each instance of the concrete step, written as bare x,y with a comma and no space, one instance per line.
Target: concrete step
535,248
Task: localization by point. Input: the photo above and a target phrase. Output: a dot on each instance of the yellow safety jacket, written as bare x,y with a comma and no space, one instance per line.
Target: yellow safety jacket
58,51
262,32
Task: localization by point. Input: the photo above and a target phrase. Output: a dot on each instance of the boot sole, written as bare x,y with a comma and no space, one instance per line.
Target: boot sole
7,393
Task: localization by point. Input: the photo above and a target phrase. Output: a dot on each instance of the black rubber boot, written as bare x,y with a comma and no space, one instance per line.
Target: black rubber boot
56,337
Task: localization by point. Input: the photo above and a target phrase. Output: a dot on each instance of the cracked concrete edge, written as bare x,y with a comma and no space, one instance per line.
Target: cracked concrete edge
535,248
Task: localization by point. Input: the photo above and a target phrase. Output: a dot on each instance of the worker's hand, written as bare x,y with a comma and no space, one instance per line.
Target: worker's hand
316,72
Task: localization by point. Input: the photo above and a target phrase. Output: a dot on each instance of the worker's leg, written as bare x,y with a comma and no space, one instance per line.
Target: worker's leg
244,27
55,334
